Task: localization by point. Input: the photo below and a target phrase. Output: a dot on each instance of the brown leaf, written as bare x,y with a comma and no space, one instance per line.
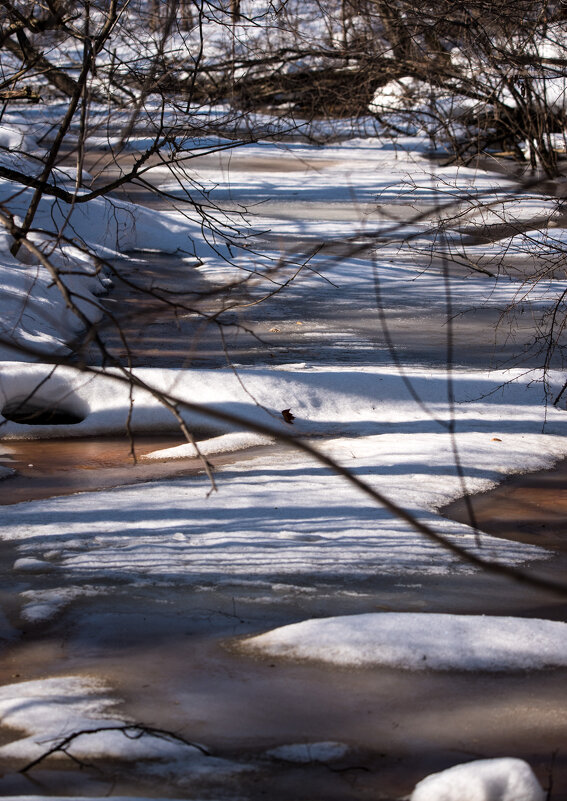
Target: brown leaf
288,416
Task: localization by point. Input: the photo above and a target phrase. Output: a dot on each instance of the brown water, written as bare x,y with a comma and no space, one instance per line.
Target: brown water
169,653
48,468
161,335
170,657
530,508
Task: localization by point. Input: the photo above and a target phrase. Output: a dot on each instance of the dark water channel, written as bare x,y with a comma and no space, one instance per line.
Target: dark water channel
318,323
171,656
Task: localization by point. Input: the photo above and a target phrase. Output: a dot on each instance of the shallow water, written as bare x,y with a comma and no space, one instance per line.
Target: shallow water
349,331
303,324
172,658
530,508
53,467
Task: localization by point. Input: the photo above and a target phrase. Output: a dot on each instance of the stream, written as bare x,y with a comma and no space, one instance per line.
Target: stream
171,653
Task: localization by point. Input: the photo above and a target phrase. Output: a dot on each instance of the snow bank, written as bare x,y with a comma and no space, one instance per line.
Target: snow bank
57,705
227,443
45,604
337,399
113,227
34,312
50,710
107,226
482,780
428,108
12,139
99,402
421,641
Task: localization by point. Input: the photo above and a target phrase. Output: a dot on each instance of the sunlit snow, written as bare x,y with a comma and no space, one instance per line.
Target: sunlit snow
482,780
420,642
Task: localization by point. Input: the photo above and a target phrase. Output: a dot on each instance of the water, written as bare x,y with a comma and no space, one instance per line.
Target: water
336,326
49,468
188,677
529,508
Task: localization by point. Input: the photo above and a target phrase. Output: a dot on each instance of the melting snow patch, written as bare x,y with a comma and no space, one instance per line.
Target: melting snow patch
421,641
28,564
309,752
226,443
482,780
49,710
79,713
42,605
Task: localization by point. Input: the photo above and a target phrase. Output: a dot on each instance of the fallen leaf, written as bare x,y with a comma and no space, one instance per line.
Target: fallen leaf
288,416
496,439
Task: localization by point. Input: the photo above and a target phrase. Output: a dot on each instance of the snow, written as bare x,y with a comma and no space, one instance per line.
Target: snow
46,604
50,710
377,174
33,310
275,517
359,171
338,399
420,642
12,139
226,443
280,513
504,779
363,415
31,565
34,313
303,753
422,102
